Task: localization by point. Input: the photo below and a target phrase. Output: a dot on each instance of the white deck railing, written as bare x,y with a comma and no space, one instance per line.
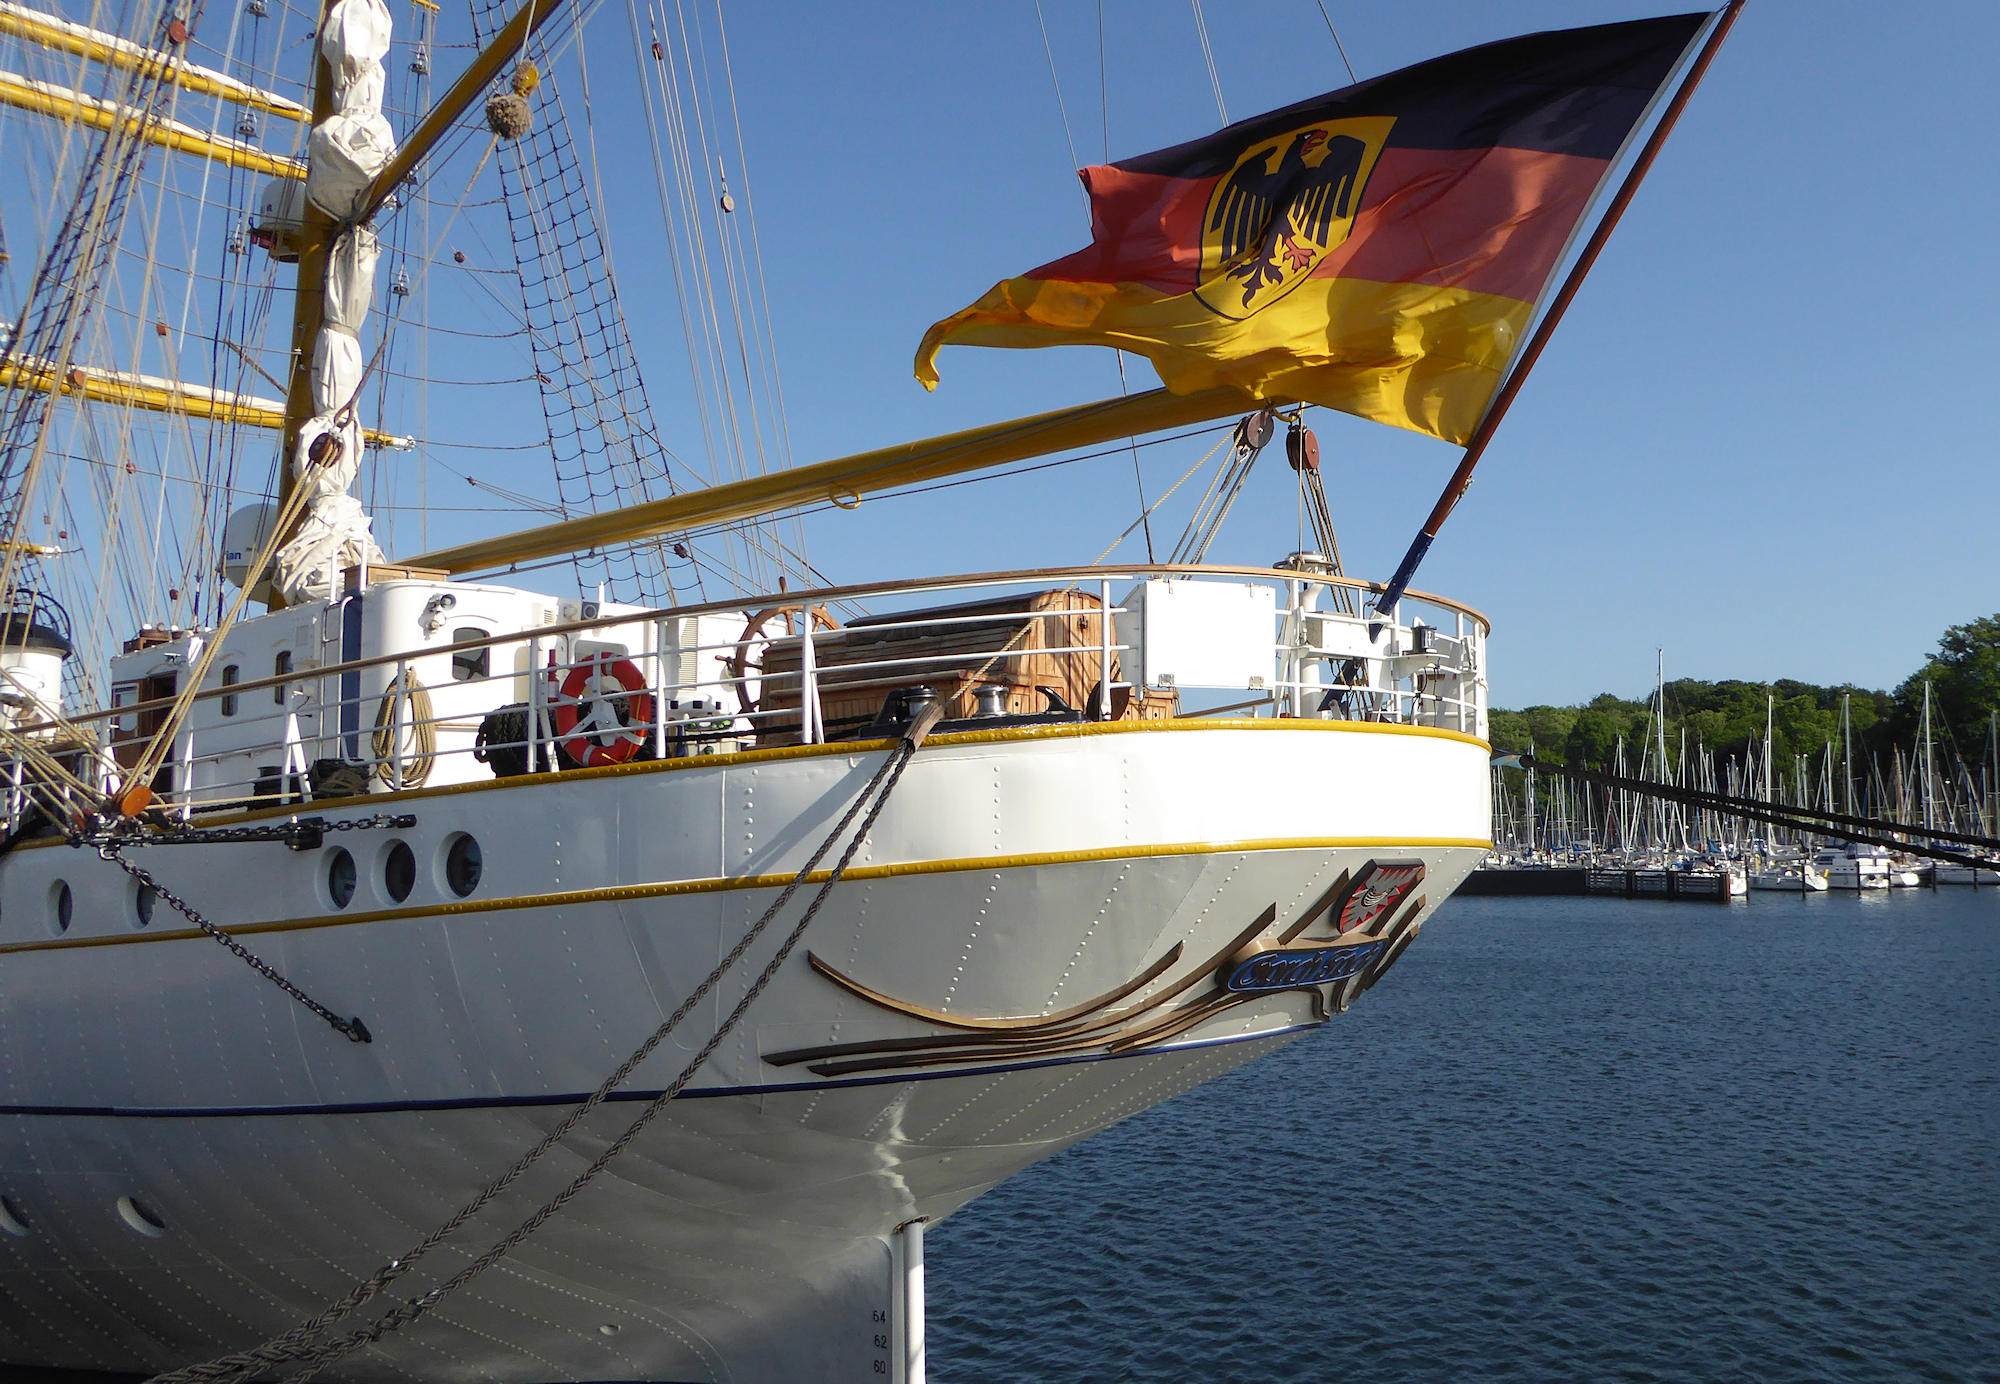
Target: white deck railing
418,716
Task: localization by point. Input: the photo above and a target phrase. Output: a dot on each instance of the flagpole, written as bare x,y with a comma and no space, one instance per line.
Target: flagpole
1475,447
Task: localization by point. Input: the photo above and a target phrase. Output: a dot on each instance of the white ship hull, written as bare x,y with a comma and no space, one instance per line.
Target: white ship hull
744,1236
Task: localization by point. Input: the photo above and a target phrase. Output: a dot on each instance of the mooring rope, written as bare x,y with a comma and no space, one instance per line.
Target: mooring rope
303,1344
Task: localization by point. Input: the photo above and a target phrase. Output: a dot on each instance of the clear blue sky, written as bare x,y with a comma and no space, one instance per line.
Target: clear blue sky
1759,441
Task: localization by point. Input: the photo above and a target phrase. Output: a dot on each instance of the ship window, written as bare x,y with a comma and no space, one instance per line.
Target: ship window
12,1219
340,878
463,865
124,694
142,904
281,667
470,664
62,906
141,1217
399,871
231,675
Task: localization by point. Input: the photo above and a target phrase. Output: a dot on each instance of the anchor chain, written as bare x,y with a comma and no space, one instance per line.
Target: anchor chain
303,1344
300,833
303,835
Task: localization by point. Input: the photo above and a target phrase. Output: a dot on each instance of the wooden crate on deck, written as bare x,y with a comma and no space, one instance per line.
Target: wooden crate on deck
1021,643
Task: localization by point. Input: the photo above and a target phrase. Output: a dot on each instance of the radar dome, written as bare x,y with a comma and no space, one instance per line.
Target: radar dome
242,536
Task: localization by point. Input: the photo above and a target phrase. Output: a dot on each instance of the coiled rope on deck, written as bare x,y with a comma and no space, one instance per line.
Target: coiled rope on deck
303,1344
414,726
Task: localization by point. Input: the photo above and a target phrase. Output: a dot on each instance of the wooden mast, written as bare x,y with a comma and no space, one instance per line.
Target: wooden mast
318,230
309,297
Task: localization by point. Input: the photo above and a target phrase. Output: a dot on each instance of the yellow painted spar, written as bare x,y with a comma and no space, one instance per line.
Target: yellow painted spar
98,46
160,395
44,98
846,479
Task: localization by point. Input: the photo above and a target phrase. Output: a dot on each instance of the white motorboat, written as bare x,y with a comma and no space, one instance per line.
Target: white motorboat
1804,877
1856,867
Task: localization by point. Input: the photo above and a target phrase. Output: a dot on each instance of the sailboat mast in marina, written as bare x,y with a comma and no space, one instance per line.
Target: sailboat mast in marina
595,945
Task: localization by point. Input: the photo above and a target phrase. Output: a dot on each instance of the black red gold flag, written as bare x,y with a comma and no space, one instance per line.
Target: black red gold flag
1378,250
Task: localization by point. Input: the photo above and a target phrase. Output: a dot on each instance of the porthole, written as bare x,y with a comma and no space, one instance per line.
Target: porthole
463,865
399,871
341,877
143,900
141,1217
13,1221
62,906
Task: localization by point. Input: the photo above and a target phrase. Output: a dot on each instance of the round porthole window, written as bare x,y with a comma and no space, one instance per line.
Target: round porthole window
399,871
13,1221
463,865
62,906
142,904
141,1217
341,877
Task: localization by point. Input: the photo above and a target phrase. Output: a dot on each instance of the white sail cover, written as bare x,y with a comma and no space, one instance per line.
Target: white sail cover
351,146
346,151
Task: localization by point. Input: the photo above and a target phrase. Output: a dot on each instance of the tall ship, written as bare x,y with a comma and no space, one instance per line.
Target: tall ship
596,950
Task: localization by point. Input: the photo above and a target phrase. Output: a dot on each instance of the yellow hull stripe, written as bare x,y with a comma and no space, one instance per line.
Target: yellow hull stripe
629,893
382,801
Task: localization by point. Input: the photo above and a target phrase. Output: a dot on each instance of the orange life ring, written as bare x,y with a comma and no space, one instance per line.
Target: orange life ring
587,740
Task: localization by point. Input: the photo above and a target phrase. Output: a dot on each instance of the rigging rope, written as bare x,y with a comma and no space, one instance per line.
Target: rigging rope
66,283
602,439
1336,41
1208,56
303,1342
1250,438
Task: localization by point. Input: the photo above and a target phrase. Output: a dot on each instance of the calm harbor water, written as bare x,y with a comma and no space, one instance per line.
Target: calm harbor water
1566,1139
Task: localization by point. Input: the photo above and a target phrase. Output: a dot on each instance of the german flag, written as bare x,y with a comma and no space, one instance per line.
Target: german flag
1379,250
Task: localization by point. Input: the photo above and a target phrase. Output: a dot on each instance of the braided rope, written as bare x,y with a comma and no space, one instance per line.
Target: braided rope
302,1342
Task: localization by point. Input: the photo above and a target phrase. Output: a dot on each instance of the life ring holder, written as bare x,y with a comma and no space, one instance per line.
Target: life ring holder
583,741
738,663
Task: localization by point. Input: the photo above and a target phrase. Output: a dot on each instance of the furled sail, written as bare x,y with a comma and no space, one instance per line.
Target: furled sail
348,149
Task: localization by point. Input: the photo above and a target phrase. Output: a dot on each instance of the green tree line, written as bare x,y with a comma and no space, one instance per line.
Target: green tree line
1727,717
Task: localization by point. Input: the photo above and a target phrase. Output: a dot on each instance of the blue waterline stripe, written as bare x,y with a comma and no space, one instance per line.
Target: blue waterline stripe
397,1107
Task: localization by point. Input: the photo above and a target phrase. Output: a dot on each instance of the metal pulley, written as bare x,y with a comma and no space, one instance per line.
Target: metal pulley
325,450
1302,447
1255,430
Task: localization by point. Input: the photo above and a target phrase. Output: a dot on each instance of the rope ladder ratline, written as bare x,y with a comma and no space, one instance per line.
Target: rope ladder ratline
305,1343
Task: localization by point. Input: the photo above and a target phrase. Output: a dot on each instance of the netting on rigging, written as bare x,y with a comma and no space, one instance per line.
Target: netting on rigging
601,435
